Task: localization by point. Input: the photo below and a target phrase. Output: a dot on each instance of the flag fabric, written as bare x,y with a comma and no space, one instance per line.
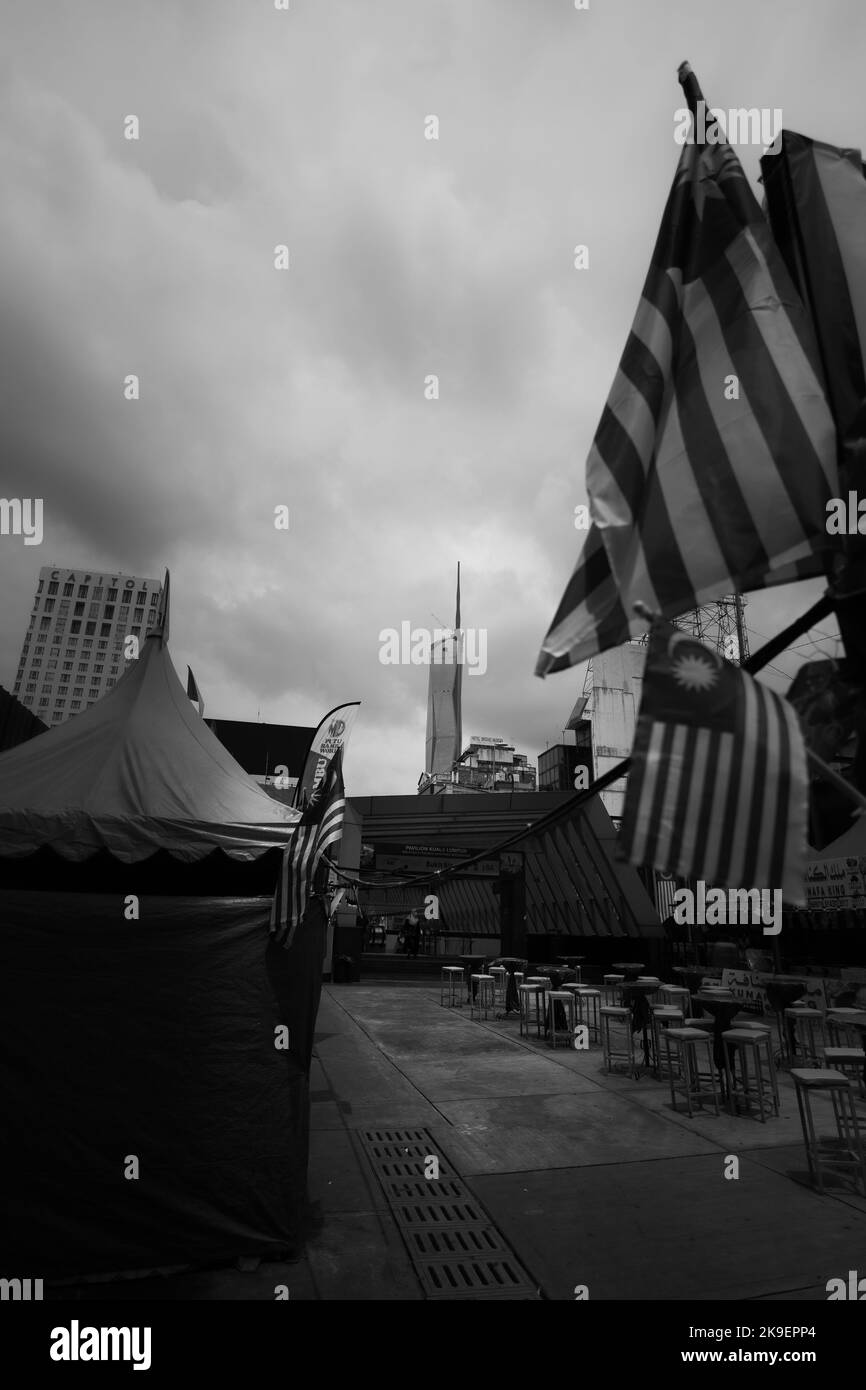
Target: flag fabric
319,829
333,733
193,692
816,201
715,454
718,788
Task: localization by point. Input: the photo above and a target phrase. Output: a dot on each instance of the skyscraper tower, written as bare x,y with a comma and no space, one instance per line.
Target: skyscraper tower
444,703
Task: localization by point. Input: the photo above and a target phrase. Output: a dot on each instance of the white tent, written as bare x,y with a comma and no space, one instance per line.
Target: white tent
137,772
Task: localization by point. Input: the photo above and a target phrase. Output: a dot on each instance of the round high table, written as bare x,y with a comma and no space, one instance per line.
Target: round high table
722,1012
511,963
472,965
557,975
629,968
781,991
636,991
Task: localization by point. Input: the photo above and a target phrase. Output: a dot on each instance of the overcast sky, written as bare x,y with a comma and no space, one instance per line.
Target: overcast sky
408,257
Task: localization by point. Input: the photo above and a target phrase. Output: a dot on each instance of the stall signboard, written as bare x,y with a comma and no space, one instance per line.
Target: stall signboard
749,987
407,860
836,883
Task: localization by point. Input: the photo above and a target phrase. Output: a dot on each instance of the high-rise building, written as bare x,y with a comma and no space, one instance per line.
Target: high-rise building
73,652
486,765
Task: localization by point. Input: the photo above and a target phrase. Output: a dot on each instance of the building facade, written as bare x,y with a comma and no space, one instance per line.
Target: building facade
612,702
274,754
487,764
559,765
73,652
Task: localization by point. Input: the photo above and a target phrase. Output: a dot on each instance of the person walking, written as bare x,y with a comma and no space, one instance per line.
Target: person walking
411,935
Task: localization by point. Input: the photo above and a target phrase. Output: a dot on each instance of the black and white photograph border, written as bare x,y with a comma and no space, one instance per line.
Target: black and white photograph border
433,661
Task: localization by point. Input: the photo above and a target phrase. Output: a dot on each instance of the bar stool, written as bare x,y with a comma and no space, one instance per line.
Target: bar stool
690,1078
588,1002
500,981
808,1034
565,999
610,987
451,982
847,1141
616,1013
839,1031
755,1048
531,1001
483,995
676,997
664,1016
850,1061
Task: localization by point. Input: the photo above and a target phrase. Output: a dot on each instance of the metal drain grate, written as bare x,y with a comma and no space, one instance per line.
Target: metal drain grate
456,1250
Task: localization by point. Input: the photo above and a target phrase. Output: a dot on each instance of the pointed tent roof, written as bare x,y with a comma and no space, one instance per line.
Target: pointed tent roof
137,772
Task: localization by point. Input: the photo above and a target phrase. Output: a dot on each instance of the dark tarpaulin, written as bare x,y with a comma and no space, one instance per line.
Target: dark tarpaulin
152,1038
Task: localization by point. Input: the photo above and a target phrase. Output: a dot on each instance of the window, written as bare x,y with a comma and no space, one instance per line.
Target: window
98,591
31,687
53,586
109,610
138,615
44,623
142,596
94,692
90,628
56,717
52,665
94,610
43,701
98,669
75,626
37,662
112,595
55,651
68,589
78,690
39,586
82,665
105,631
67,665
38,651
61,703
87,644
76,704
79,610
64,680
82,590
102,646
49,605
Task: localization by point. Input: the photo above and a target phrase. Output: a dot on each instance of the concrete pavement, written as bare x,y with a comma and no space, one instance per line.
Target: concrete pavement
592,1179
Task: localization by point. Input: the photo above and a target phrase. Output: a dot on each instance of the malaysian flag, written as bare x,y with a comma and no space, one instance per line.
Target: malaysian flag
715,455
320,827
718,788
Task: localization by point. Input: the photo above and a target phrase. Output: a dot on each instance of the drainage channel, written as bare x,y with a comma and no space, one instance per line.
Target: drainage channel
455,1249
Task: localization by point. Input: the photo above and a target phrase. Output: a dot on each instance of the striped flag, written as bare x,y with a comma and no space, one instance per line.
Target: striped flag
718,788
816,200
715,455
319,829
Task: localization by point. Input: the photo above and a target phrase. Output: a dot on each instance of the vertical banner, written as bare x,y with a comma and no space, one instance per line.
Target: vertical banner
332,733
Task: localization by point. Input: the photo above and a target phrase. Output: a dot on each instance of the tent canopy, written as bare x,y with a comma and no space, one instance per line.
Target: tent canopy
139,771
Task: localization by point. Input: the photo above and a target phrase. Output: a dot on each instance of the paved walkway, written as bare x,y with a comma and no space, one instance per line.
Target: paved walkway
592,1179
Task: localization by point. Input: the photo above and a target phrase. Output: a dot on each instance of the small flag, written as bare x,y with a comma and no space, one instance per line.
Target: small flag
319,829
718,788
193,692
716,453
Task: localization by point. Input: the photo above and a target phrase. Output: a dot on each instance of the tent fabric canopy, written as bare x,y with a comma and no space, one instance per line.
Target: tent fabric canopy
139,771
